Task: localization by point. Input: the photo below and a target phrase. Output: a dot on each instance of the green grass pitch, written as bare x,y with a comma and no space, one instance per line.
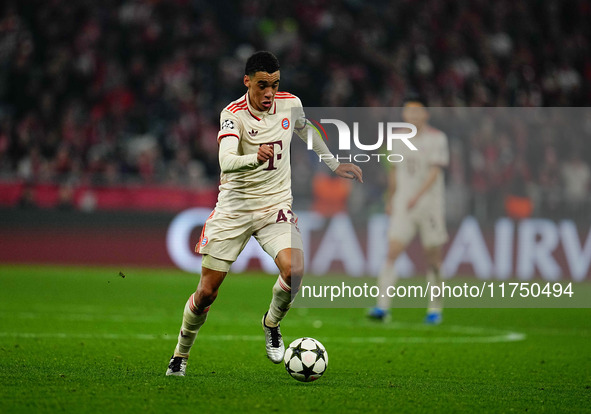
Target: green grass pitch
80,339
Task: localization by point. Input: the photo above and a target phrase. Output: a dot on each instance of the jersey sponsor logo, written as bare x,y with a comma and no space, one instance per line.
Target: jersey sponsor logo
253,133
276,156
285,123
227,124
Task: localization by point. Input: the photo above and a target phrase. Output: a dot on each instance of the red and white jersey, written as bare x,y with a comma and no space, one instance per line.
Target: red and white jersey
268,184
412,172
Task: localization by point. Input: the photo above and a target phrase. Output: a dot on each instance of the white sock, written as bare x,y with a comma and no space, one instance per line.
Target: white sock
434,278
193,319
387,277
280,303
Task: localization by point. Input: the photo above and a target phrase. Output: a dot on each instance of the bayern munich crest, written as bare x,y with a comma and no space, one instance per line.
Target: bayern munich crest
204,241
285,123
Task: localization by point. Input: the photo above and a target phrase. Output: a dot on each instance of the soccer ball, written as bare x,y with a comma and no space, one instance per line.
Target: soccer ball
306,359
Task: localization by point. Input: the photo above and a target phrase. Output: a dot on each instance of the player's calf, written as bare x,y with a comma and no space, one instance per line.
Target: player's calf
193,318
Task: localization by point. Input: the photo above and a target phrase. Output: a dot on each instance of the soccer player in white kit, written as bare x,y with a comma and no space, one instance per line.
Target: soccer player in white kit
415,201
254,200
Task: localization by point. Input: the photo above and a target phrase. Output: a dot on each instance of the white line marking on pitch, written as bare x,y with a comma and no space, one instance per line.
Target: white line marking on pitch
294,322
506,337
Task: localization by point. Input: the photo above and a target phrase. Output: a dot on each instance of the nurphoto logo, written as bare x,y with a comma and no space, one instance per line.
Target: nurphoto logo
390,132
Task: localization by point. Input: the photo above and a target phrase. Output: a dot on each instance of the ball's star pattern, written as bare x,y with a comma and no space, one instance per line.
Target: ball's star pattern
297,350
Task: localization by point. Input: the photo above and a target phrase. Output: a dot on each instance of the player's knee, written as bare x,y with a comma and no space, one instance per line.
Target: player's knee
206,295
392,256
293,273
395,251
297,270
433,256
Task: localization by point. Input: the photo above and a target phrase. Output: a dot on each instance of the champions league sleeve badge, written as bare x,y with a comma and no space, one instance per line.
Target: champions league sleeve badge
227,124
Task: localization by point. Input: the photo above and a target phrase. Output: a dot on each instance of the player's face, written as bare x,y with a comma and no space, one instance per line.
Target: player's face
415,113
262,87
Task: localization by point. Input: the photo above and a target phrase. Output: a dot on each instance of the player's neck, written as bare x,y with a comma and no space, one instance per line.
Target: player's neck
421,128
253,108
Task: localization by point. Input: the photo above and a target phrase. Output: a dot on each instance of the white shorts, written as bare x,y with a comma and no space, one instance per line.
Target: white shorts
225,235
430,225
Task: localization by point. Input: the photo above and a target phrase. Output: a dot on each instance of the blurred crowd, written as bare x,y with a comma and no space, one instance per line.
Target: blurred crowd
518,162
130,90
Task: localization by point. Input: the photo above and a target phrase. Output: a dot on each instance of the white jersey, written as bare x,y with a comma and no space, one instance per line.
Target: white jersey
269,184
412,172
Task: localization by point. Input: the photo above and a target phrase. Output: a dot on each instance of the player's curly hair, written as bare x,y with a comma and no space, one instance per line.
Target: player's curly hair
261,61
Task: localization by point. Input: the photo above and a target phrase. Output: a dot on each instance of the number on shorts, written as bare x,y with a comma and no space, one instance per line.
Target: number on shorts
282,217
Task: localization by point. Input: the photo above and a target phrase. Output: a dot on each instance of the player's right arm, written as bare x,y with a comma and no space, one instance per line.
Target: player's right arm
228,140
230,161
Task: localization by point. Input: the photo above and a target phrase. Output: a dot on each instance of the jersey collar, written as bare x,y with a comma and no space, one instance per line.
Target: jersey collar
258,115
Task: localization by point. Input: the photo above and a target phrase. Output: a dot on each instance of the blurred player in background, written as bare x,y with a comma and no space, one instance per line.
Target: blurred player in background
254,200
415,202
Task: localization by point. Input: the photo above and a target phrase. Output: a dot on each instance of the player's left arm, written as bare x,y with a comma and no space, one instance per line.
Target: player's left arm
434,172
350,171
304,129
438,157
